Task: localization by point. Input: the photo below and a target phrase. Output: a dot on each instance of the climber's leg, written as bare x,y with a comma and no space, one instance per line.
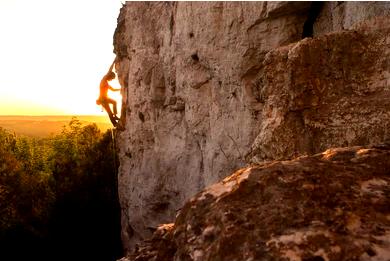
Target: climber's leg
113,102
113,118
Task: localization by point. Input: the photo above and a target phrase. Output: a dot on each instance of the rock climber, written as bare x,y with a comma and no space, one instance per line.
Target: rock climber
104,100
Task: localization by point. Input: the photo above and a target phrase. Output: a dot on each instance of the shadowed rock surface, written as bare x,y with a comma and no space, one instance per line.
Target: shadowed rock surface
330,206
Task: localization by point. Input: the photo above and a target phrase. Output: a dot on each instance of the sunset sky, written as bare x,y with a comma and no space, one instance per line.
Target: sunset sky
53,55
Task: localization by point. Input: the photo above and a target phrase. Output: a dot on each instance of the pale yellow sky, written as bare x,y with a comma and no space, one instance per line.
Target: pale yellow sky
53,55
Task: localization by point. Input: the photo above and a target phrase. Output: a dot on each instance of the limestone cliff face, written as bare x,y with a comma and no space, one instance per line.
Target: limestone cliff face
211,87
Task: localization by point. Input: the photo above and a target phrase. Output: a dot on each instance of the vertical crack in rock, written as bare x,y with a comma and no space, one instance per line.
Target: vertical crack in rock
201,183
314,11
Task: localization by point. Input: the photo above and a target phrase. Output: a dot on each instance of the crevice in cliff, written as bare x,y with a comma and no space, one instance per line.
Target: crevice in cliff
195,57
314,11
172,22
201,183
236,146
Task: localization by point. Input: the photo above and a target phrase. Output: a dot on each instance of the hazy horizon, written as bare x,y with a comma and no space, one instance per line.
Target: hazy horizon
49,115
46,125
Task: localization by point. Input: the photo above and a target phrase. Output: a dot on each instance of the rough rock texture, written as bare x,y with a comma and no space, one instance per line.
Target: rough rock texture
333,90
330,206
337,16
206,90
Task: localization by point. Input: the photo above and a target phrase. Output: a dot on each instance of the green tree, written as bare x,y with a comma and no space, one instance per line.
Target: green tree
10,173
60,194
25,193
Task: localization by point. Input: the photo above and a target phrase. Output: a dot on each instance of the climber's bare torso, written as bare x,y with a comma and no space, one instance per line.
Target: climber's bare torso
104,100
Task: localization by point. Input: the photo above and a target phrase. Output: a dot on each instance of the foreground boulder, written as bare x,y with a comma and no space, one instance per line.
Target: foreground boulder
330,206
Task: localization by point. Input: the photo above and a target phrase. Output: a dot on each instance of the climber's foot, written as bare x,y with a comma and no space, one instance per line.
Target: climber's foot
119,126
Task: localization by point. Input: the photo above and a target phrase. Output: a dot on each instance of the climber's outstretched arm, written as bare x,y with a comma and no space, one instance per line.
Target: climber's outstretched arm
112,65
112,88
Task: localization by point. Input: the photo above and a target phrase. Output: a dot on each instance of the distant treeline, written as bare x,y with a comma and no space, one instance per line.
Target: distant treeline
58,196
43,126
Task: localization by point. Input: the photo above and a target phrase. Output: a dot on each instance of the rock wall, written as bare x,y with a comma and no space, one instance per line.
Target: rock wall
206,90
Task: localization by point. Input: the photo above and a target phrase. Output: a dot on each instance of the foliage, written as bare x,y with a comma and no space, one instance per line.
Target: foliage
59,193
